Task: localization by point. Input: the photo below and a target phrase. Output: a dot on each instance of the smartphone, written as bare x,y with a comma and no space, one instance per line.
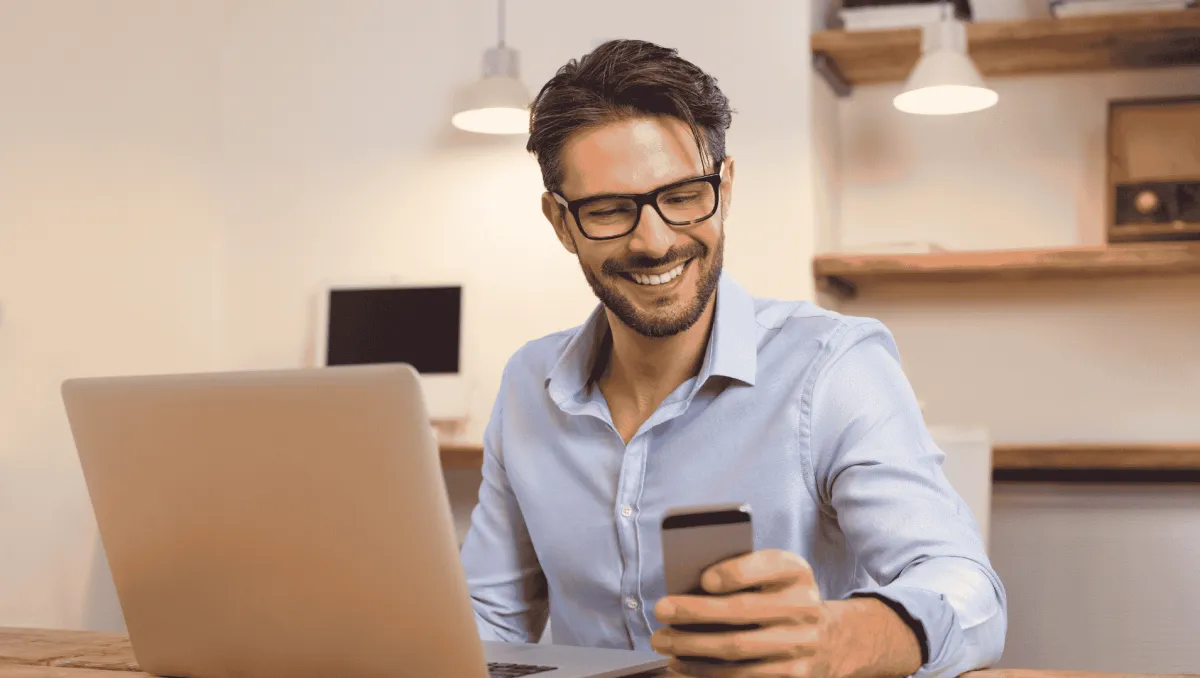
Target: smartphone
696,538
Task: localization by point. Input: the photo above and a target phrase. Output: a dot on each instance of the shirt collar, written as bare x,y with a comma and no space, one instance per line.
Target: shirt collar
733,342
732,347
569,376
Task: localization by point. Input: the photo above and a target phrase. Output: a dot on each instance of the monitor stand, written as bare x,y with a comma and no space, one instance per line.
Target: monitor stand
448,399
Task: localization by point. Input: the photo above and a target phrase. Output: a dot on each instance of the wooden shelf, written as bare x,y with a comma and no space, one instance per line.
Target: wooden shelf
1093,456
1037,46
1168,457
843,275
461,455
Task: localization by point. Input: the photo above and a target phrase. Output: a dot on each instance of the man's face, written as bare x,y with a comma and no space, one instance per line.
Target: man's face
632,275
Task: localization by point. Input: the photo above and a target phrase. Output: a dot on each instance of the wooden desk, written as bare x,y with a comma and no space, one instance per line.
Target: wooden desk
36,653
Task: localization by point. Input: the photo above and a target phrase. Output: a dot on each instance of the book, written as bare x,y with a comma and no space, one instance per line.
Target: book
1069,8
875,15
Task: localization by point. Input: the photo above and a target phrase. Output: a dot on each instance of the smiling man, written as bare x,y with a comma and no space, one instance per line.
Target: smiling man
683,389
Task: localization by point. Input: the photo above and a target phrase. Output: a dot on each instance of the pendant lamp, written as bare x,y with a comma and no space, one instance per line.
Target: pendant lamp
945,81
499,103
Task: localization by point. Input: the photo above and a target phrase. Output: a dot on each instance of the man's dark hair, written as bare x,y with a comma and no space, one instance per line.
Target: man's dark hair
622,79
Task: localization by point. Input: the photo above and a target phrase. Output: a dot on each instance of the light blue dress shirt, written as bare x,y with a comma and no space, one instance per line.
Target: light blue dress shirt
802,413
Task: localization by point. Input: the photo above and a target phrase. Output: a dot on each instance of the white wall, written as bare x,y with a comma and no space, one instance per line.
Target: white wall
177,179
342,162
109,256
183,176
1098,578
1026,173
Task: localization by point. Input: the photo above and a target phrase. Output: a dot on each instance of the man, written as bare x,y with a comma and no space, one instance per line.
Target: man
682,389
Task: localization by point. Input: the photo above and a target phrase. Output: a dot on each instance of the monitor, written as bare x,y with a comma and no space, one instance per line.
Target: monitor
372,325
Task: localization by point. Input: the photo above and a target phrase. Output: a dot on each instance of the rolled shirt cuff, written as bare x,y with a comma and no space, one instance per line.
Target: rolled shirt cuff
929,615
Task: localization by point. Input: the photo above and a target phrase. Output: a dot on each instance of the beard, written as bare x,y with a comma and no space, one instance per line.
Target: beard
669,322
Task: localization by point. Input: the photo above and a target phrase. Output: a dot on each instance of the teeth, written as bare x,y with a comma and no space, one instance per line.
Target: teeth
660,279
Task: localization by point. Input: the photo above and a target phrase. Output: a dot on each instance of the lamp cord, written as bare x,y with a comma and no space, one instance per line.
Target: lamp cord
500,21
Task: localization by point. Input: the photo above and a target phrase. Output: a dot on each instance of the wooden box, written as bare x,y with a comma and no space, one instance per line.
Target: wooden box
1153,189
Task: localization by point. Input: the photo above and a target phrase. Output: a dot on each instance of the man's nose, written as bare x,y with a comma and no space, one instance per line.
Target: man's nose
653,236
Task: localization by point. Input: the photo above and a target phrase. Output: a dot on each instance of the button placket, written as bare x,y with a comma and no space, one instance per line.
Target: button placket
628,492
643,618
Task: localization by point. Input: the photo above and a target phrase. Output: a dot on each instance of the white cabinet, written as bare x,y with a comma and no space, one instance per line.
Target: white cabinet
968,467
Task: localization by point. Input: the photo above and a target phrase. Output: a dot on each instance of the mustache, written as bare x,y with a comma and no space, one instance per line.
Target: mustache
641,261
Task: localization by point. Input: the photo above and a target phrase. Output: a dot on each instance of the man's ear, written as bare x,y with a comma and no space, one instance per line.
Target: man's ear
727,188
556,214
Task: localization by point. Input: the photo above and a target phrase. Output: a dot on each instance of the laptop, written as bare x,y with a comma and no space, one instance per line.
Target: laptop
290,523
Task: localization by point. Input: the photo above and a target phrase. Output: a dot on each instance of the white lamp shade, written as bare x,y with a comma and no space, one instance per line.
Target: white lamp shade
495,105
945,80
499,103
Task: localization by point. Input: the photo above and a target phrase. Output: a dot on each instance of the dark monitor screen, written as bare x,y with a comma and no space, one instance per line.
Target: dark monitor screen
415,325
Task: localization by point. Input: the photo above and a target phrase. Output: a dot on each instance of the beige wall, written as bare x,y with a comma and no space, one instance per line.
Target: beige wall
1099,578
177,179
110,240
186,175
341,167
326,183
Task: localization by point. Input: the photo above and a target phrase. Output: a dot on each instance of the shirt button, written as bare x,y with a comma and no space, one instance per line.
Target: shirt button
631,603
627,511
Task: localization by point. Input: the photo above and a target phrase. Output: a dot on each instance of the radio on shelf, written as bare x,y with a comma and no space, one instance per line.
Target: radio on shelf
1154,169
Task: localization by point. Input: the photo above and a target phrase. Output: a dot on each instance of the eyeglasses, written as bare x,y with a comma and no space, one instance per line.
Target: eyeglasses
612,216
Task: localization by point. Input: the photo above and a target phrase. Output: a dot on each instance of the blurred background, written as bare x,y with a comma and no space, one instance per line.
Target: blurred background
182,181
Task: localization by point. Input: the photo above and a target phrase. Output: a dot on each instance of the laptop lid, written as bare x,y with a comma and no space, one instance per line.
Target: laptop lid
287,523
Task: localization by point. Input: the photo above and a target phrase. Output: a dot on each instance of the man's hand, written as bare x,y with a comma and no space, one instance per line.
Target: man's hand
793,622
798,634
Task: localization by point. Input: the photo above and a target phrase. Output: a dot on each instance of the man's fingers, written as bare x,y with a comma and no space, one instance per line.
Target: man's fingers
797,604
770,642
759,569
787,668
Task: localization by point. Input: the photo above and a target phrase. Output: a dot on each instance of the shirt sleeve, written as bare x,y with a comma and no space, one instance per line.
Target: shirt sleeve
507,587
877,467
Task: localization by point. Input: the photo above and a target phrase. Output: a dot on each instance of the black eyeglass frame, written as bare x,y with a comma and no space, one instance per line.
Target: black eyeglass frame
643,199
